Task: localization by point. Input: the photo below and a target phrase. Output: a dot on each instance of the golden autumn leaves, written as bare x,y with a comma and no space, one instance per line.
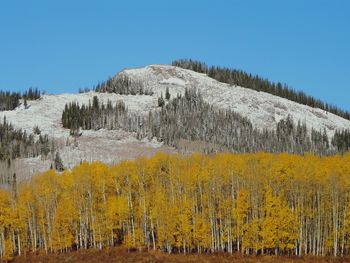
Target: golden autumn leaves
247,203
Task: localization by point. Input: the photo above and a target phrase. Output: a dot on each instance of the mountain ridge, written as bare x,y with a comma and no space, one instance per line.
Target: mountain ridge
236,98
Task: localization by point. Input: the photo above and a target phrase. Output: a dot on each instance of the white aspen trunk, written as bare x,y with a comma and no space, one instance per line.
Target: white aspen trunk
153,237
19,244
2,244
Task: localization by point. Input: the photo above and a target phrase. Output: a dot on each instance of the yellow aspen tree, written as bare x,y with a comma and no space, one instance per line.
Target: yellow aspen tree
117,215
240,215
251,241
184,227
64,225
279,226
6,248
201,233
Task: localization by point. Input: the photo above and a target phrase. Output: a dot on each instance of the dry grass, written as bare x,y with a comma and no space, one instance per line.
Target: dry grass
121,255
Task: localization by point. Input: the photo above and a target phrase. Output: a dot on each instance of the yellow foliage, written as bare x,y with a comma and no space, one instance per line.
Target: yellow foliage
250,203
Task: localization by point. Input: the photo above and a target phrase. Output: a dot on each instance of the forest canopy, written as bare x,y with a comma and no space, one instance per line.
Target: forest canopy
247,203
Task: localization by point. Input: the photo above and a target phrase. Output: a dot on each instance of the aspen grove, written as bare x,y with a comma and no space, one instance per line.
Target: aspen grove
260,203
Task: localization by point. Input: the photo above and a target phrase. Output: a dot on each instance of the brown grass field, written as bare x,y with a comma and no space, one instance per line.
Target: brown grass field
121,255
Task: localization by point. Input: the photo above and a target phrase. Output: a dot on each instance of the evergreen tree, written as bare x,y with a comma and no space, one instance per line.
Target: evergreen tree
25,103
161,101
36,130
167,94
341,140
58,163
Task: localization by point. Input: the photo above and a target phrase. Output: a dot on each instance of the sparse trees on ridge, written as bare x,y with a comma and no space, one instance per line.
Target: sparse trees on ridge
123,85
32,94
10,100
246,80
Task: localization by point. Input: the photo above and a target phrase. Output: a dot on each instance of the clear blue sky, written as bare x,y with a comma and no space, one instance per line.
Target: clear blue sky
60,46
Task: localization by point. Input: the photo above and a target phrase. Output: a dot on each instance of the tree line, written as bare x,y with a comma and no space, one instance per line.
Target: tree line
341,140
252,204
246,80
16,143
32,94
123,85
94,116
11,100
188,117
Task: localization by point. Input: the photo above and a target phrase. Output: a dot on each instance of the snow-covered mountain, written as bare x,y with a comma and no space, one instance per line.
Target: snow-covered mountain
262,109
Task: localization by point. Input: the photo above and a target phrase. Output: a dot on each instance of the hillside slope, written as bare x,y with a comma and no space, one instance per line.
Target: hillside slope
262,109
102,145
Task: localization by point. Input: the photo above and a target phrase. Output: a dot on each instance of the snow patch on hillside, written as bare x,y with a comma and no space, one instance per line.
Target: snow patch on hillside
173,81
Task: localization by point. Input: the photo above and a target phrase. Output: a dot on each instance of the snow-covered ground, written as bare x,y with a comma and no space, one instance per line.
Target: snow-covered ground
264,111
46,112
